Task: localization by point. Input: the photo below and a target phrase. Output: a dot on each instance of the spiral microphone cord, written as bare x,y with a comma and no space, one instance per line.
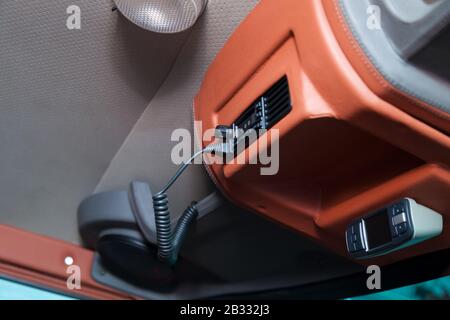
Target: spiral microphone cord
169,242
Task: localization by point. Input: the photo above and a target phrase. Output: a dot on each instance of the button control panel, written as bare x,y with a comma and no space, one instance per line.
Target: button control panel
354,238
381,231
394,227
399,220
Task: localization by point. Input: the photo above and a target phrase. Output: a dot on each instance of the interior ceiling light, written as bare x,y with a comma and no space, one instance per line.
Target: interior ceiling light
162,16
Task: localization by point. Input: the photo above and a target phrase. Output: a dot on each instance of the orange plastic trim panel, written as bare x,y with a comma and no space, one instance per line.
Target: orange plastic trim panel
39,260
344,149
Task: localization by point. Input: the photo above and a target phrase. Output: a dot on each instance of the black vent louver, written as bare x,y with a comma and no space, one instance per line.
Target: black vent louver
268,109
278,102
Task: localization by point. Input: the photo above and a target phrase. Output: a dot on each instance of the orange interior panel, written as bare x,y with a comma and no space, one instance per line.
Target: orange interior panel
39,260
345,148
351,144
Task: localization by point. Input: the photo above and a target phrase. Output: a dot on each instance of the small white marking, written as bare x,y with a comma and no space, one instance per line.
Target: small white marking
68,261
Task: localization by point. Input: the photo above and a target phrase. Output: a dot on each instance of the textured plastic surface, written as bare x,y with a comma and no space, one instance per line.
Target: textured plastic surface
164,16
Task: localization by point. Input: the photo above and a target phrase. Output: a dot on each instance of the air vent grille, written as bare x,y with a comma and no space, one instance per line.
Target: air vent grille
268,109
278,103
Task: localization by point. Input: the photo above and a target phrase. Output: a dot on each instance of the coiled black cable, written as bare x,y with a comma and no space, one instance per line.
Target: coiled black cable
163,226
168,242
189,215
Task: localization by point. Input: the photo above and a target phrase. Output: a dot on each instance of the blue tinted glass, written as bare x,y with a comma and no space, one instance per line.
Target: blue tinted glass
433,289
10,290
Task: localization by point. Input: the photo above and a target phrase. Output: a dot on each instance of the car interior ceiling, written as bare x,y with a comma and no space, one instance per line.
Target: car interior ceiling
128,90
88,112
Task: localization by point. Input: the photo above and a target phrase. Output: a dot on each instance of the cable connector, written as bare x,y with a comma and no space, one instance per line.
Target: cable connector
220,148
227,134
168,241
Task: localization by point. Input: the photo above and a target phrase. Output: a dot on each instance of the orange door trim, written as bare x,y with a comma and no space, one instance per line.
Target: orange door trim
39,260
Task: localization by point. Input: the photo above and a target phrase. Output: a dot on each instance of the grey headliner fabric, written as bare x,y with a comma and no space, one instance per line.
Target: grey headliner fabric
68,99
146,152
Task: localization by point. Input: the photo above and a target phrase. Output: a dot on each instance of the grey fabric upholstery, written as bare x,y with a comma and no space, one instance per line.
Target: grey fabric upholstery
68,99
91,110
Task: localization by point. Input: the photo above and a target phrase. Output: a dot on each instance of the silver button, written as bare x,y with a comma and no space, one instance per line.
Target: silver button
399,218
